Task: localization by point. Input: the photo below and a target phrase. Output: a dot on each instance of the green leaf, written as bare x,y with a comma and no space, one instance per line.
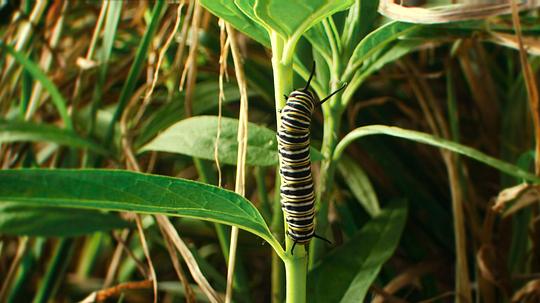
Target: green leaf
31,220
392,53
118,190
40,76
359,184
290,18
228,11
333,280
360,20
428,139
18,131
196,137
205,98
320,41
376,41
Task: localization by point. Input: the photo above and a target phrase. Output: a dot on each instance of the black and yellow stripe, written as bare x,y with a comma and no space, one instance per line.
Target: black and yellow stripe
297,191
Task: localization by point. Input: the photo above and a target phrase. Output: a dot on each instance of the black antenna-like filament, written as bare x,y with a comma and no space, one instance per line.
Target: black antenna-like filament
310,77
329,96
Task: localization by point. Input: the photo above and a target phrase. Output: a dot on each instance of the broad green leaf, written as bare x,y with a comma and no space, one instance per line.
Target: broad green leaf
376,41
38,74
197,136
290,18
228,11
118,190
333,280
359,184
428,139
31,220
18,131
205,98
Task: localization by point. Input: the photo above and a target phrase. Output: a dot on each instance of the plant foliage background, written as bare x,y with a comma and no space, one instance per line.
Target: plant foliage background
112,109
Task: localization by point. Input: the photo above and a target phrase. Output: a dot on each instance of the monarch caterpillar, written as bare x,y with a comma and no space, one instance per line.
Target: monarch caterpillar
293,136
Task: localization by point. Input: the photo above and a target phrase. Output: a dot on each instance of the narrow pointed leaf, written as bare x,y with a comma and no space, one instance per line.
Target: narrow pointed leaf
360,186
31,220
376,41
118,190
432,140
365,253
19,131
36,72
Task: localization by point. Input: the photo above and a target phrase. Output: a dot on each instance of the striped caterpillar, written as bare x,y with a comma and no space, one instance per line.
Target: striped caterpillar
293,136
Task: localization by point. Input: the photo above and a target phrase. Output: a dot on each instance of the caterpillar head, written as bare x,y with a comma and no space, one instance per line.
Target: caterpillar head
307,98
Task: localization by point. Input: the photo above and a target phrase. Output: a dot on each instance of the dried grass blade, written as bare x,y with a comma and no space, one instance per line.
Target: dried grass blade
198,276
242,149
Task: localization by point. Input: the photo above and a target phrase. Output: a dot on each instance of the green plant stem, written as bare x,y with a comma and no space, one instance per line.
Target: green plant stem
262,193
295,266
332,124
296,274
283,73
278,270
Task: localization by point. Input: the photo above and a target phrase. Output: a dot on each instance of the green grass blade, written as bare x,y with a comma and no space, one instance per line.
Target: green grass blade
57,99
136,67
31,220
114,10
55,270
433,141
18,131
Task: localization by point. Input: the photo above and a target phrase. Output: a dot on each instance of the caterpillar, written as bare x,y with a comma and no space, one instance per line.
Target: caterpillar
293,136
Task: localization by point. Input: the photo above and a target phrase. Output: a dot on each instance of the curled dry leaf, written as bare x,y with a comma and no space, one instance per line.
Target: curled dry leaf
491,267
86,64
528,293
410,276
532,45
449,13
523,194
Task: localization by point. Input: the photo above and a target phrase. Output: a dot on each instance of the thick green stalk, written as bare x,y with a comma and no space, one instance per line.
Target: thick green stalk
283,73
296,274
278,271
295,265
332,124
